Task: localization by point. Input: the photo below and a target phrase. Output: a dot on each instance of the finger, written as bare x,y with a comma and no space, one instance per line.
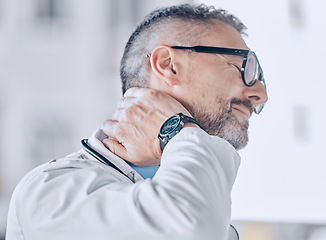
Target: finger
132,113
126,102
118,115
136,92
114,117
114,129
115,147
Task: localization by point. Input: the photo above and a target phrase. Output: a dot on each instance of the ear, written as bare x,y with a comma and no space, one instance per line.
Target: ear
163,64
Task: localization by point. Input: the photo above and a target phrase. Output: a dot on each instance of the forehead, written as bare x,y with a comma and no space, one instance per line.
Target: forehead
220,34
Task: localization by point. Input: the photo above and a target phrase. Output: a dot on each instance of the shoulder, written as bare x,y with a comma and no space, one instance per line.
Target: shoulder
62,178
54,190
74,168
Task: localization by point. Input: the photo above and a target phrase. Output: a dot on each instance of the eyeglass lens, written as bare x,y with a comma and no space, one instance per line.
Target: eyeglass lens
251,70
253,73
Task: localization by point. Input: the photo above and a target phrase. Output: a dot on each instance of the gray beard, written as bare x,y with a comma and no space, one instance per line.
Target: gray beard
224,124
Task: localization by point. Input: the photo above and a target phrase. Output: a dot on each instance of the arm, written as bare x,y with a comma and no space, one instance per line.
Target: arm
189,198
195,181
196,173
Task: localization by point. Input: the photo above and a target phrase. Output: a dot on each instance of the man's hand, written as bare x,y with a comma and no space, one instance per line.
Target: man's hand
136,123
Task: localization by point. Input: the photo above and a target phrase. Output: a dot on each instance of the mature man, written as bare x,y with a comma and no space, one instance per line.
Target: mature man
164,165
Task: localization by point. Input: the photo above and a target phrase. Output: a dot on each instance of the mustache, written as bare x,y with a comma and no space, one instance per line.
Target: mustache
246,103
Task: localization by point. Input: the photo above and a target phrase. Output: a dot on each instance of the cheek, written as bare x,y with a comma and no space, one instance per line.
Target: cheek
231,84
209,81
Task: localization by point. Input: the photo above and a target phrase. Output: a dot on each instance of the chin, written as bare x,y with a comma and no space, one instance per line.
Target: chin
236,133
223,124
233,131
238,141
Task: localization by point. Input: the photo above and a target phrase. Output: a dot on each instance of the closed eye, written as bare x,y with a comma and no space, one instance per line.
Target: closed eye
237,67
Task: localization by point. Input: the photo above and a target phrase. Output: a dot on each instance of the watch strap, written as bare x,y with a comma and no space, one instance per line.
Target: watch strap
185,118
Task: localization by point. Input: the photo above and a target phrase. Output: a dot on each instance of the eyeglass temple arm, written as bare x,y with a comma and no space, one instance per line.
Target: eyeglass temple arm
216,50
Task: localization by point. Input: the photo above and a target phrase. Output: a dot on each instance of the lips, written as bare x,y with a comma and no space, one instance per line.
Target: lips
242,109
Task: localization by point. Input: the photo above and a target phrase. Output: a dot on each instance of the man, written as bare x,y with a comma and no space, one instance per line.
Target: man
164,165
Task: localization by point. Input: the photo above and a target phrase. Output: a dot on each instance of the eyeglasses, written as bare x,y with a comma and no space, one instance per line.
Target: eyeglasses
250,71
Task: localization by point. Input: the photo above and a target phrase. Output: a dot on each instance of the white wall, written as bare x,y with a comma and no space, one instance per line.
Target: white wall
282,175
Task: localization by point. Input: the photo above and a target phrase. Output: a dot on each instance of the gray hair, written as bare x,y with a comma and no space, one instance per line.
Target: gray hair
174,25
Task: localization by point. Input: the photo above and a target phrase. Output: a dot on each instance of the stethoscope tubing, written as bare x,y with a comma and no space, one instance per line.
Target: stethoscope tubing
100,157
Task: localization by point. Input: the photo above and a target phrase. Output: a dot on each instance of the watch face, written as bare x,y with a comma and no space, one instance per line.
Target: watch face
170,125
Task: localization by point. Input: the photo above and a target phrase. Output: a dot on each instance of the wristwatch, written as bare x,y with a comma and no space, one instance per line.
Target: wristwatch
172,126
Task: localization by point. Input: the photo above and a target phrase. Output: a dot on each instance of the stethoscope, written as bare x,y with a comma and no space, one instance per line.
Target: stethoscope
104,160
235,232
100,157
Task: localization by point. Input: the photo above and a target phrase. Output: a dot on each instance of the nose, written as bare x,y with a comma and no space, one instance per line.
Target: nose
256,94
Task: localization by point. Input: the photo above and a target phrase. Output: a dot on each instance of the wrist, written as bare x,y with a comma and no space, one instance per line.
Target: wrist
172,126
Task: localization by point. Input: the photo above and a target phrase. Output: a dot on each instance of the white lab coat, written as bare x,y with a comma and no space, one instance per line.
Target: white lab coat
78,197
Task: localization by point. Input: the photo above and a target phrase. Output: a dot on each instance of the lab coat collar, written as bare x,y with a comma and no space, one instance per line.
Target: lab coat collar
95,142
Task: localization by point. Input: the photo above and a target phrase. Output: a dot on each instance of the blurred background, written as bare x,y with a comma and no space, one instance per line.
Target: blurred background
59,80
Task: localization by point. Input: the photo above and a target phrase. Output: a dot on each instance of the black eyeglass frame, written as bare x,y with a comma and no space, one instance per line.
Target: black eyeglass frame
236,52
229,51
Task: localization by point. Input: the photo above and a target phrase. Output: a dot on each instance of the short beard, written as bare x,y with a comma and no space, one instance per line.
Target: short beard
223,123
